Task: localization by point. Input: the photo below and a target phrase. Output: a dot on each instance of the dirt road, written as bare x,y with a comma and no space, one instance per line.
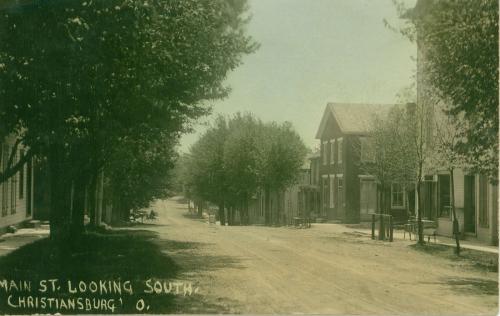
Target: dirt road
256,269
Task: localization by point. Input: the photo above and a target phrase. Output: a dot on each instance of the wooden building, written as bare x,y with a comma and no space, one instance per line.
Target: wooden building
347,194
299,200
16,193
476,198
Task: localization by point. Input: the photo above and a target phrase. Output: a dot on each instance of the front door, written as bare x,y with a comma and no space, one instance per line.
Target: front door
444,190
469,205
368,196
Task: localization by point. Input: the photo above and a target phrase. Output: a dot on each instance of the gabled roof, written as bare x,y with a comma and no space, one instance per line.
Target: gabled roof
352,118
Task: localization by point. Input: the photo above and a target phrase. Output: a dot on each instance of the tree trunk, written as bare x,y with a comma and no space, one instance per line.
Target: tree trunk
200,209
246,215
99,195
407,200
78,209
279,212
120,213
60,183
230,216
222,217
419,214
382,199
379,198
125,211
267,206
456,230
91,203
242,211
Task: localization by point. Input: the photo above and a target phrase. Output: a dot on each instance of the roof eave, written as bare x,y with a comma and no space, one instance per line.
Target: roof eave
322,124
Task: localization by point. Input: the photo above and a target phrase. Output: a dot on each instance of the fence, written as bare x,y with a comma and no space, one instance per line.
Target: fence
385,227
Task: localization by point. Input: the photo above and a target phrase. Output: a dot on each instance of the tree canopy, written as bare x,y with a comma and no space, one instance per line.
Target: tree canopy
238,156
81,82
458,58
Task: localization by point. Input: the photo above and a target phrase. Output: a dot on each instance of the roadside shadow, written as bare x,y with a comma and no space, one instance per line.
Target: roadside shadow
145,225
473,286
173,245
180,200
469,258
115,256
195,257
193,217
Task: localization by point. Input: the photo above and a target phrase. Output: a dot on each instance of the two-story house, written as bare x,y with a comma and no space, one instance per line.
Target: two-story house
476,197
346,193
309,197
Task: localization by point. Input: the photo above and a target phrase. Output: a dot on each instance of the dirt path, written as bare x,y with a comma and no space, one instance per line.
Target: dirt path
257,269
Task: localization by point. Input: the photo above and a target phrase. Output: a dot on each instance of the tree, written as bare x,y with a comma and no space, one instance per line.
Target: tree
241,160
206,178
403,150
419,140
281,154
103,71
240,155
449,132
393,157
458,58
140,172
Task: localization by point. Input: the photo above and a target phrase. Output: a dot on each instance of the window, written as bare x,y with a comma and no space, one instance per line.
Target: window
315,173
397,195
444,190
483,202
21,176
367,149
368,196
340,190
339,150
325,194
429,178
323,152
332,200
332,151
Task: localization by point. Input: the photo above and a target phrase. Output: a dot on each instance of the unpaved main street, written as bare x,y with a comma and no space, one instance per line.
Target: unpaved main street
256,269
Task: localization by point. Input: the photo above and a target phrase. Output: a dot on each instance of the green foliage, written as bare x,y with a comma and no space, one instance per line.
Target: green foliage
395,157
113,65
108,83
241,156
449,131
238,156
282,153
206,177
458,45
141,171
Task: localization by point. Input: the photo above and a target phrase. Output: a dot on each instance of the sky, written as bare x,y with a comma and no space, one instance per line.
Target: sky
313,52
